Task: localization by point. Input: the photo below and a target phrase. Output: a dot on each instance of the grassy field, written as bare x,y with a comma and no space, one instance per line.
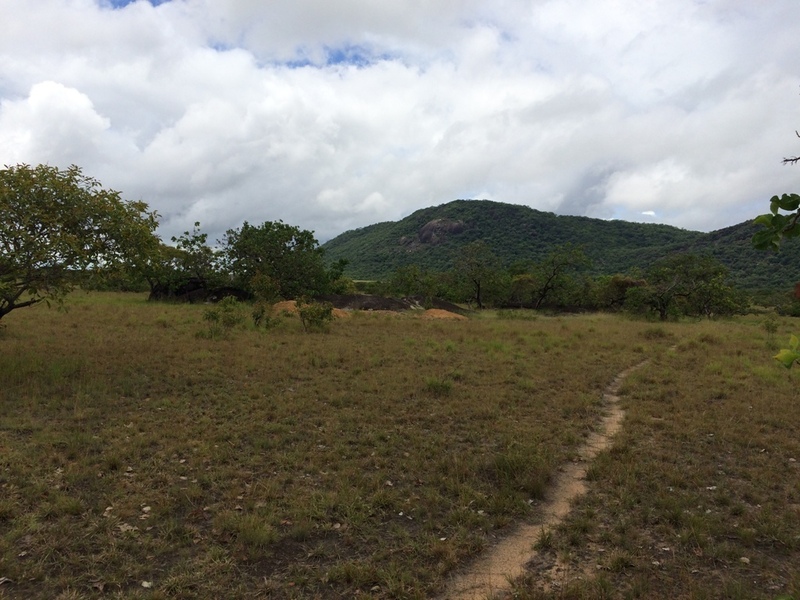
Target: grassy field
700,495
141,458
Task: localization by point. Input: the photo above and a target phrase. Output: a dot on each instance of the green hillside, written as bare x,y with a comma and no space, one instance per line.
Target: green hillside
431,237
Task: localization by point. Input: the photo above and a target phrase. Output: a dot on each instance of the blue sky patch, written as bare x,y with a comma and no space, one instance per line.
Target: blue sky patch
348,55
124,3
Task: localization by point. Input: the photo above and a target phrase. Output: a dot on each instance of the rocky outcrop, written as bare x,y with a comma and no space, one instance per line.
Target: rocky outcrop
433,233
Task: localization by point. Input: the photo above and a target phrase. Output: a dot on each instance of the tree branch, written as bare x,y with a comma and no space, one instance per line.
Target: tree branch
794,159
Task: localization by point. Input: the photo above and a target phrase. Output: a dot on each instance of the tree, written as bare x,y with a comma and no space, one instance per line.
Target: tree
685,284
610,290
59,225
541,282
478,269
287,257
188,268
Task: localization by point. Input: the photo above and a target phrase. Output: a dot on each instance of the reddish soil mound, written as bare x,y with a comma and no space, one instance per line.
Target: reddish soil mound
290,306
438,313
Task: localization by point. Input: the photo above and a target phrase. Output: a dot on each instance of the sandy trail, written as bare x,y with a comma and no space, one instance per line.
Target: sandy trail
490,574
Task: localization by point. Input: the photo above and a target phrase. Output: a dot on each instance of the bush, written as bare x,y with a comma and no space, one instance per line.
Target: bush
314,315
222,318
263,315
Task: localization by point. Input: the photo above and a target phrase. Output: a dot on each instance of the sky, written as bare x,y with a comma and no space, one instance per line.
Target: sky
337,115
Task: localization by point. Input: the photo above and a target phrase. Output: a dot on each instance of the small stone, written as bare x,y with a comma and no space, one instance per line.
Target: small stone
744,560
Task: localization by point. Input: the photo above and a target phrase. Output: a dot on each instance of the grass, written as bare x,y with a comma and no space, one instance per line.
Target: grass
700,495
374,459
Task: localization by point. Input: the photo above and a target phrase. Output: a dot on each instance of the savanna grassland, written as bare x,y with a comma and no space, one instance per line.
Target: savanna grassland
699,497
142,458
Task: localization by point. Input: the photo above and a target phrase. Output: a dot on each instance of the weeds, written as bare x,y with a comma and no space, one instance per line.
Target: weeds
222,318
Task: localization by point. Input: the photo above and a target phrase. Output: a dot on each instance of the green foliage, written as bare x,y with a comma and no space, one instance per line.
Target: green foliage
289,257
686,284
190,263
438,388
315,316
262,315
776,225
59,227
550,280
478,270
222,318
519,233
609,292
770,325
513,233
337,282
198,258
788,356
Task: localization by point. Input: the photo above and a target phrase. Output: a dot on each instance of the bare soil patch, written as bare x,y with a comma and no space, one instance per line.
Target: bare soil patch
290,307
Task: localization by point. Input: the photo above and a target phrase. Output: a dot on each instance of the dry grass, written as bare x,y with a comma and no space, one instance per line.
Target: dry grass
368,461
700,496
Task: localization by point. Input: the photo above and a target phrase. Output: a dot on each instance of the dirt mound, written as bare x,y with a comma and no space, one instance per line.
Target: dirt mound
438,313
287,306
290,307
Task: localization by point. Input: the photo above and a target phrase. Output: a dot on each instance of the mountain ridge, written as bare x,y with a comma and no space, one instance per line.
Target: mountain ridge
430,238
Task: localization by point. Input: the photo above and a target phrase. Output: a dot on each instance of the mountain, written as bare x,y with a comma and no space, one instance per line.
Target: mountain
431,237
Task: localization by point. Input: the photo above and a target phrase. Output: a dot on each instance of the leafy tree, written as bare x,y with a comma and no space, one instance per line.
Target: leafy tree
542,282
413,280
609,291
338,283
289,257
190,264
685,284
477,268
57,226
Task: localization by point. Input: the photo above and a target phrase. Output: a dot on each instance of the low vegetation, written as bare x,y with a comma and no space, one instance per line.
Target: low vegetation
700,495
141,456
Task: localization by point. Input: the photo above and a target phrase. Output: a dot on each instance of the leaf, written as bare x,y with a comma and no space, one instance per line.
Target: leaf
766,240
773,205
787,357
789,202
765,220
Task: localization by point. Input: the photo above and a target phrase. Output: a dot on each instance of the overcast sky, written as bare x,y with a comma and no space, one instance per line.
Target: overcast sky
333,115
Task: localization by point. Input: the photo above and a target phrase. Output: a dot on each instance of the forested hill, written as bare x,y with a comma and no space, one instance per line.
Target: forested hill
431,237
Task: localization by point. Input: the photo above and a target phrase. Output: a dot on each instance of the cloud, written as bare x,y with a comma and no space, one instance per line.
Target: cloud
54,123
338,115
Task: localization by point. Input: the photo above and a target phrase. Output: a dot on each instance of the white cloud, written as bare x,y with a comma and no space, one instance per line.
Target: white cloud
337,115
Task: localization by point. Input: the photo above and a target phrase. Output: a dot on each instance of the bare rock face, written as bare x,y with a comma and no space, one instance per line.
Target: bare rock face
433,233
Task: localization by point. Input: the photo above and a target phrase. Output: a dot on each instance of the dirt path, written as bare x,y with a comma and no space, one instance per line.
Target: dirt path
490,574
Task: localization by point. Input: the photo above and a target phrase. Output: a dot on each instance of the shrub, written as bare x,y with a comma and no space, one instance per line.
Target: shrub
263,315
222,317
314,315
